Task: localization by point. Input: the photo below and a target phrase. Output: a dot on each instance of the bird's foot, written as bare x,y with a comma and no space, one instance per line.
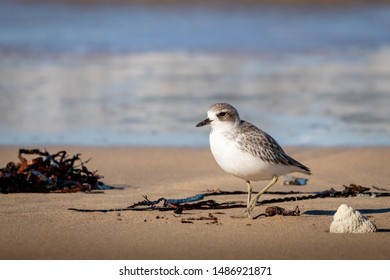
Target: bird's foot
245,216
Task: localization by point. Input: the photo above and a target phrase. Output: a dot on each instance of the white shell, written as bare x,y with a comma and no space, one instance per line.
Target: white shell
348,220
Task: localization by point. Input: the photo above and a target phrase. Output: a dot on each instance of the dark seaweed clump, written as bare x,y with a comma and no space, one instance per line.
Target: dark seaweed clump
47,172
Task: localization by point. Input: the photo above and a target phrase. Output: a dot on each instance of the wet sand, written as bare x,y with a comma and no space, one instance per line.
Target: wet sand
40,226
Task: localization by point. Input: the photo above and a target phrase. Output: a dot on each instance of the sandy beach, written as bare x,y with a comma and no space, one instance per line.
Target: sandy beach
114,81
40,226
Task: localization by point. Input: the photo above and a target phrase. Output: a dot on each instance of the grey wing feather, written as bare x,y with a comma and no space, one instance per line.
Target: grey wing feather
262,145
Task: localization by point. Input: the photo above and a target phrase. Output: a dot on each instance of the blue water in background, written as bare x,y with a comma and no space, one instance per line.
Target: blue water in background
145,75
82,29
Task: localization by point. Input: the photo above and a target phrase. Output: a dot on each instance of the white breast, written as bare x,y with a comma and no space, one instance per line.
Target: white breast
240,163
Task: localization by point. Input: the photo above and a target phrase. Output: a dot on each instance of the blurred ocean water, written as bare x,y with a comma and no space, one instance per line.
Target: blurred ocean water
145,75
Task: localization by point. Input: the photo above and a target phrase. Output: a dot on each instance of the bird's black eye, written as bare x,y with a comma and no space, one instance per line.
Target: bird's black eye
222,114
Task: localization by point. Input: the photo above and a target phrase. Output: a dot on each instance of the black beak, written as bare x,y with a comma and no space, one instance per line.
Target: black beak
204,122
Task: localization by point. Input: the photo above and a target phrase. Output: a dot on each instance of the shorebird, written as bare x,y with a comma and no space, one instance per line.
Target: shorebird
247,152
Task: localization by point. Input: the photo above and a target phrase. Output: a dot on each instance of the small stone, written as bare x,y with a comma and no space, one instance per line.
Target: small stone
348,220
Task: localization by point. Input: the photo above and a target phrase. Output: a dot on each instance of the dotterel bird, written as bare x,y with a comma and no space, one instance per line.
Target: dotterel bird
247,152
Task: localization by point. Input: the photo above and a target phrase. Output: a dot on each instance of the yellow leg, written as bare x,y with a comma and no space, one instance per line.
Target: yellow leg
248,183
249,192
253,202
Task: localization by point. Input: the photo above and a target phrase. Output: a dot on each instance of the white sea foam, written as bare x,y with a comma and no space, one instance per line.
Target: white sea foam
68,78
315,99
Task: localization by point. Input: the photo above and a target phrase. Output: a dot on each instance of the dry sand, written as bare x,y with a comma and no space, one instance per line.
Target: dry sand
40,226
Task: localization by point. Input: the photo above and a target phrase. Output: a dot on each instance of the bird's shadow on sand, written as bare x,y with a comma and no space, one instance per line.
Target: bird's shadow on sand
362,211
